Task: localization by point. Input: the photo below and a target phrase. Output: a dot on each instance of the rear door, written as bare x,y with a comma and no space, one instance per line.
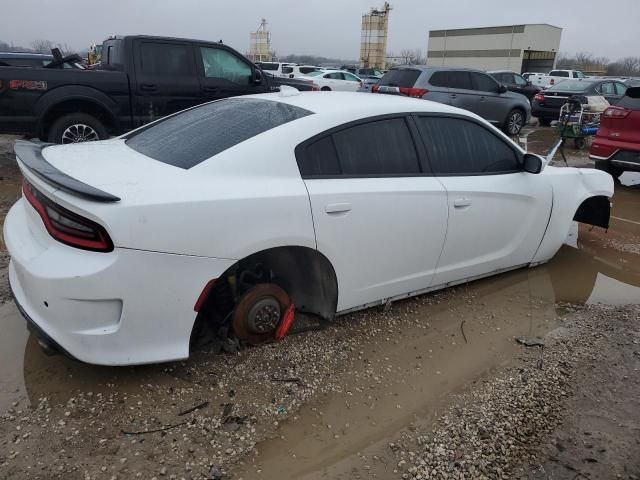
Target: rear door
224,74
378,217
497,212
461,91
491,104
166,79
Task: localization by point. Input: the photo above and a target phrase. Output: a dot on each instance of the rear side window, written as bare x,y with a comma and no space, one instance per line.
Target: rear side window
439,79
320,159
461,80
400,78
461,147
383,147
188,138
166,59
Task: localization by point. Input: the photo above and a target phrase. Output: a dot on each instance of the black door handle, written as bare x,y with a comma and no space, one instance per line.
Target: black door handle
148,87
210,89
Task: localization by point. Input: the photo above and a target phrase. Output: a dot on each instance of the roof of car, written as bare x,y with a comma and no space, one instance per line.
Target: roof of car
430,68
358,105
25,55
502,71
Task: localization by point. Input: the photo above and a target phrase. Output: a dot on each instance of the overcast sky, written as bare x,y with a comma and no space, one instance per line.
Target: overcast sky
330,28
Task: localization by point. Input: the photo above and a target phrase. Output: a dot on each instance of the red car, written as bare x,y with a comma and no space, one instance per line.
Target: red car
616,147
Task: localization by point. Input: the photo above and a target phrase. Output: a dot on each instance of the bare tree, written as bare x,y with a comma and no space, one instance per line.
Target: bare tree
42,46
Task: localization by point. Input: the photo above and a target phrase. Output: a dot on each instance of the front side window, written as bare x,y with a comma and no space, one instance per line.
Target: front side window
166,59
382,147
191,137
578,75
219,63
461,147
350,78
621,88
287,69
520,81
483,83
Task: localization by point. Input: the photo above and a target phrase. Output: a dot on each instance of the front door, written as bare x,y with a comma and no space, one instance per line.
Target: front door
497,212
378,218
492,105
166,79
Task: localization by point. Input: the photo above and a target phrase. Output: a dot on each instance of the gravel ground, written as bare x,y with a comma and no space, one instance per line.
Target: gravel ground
532,420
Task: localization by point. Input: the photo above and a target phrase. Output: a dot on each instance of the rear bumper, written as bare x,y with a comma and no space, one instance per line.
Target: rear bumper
621,154
119,308
538,110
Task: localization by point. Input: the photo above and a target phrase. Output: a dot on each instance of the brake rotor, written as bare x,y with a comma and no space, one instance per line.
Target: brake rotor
259,312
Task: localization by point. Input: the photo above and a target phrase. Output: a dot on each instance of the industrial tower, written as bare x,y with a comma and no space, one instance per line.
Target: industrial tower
260,44
373,45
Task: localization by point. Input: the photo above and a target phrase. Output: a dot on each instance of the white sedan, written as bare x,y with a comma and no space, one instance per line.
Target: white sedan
237,214
337,80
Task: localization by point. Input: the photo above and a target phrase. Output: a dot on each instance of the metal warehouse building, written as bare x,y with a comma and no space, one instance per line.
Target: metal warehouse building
521,48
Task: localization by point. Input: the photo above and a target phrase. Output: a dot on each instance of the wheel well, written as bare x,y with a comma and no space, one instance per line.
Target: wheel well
304,273
594,211
73,106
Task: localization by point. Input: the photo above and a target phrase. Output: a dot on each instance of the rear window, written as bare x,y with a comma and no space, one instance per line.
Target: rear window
559,73
400,78
631,100
188,138
570,86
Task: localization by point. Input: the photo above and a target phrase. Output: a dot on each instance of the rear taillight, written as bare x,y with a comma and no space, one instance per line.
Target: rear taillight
539,97
375,88
413,92
65,226
616,112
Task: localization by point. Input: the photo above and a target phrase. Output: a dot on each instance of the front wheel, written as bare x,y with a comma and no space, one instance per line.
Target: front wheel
325,89
515,122
76,128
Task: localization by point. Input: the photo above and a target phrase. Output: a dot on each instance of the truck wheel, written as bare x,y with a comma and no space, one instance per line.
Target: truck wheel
605,166
77,127
514,123
325,89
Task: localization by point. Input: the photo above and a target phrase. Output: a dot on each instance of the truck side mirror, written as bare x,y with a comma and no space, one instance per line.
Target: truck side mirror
502,89
257,76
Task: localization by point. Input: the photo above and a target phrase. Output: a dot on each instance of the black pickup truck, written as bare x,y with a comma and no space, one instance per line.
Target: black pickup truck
139,79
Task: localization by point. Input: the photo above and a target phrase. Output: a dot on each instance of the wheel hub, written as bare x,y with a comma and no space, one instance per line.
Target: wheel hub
79,132
264,316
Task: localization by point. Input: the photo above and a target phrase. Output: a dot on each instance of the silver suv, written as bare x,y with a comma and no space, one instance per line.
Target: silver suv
473,90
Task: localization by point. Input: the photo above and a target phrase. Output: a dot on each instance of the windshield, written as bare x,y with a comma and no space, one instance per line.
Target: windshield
190,137
570,86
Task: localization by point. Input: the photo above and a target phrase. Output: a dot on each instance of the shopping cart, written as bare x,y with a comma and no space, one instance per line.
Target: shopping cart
577,121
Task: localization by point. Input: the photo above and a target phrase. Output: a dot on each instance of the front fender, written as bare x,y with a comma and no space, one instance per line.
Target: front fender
582,194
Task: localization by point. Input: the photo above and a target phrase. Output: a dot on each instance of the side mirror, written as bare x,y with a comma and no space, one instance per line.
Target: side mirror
502,89
531,163
529,83
257,76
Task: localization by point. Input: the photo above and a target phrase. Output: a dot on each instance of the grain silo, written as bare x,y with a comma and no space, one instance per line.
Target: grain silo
373,44
260,44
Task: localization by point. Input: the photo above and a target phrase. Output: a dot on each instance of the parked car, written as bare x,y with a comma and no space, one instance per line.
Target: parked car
140,79
616,146
293,71
527,75
632,82
336,80
369,76
472,90
275,68
554,77
515,83
120,248
546,104
300,84
19,59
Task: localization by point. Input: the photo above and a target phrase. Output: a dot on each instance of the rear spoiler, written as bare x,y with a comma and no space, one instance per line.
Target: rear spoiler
30,154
